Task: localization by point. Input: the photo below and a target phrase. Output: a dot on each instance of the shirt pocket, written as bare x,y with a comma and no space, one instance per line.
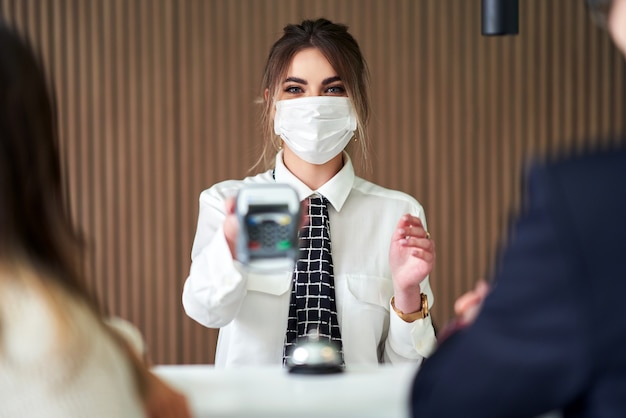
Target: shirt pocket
273,284
375,290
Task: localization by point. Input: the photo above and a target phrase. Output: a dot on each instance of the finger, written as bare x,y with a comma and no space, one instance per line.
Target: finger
482,288
407,220
471,299
416,231
411,221
462,302
229,205
304,219
465,302
469,316
401,234
409,233
427,256
419,243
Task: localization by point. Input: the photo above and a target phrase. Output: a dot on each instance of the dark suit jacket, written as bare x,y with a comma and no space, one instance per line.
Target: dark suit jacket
552,333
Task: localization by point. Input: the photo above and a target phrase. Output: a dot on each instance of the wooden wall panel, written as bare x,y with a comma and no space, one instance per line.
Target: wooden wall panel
157,102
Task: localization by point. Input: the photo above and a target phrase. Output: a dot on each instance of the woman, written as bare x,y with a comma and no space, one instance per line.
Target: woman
380,247
58,358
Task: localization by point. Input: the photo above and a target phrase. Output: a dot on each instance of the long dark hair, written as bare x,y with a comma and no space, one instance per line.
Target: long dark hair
35,226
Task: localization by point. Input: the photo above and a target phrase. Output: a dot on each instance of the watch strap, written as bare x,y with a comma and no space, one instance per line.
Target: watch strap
413,316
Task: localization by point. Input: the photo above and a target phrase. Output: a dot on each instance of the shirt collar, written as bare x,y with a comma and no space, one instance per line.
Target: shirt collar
336,190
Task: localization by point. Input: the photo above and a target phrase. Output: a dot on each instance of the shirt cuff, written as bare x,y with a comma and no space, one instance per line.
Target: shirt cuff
411,339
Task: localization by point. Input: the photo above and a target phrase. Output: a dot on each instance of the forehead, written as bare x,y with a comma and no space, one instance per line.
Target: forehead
309,64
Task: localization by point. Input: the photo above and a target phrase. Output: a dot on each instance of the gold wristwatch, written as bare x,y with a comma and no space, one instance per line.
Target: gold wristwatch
410,317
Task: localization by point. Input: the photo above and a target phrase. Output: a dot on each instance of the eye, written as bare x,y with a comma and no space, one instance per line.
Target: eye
293,89
336,90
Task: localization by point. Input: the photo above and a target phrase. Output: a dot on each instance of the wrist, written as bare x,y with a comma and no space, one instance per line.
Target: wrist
408,300
412,315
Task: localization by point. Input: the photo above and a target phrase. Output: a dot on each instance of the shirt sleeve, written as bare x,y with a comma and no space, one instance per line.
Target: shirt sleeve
215,287
411,341
57,359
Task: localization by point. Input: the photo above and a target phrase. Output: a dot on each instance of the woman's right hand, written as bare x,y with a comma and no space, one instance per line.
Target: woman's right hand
231,223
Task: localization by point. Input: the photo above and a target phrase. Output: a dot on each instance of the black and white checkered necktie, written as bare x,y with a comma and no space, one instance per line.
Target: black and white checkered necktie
312,305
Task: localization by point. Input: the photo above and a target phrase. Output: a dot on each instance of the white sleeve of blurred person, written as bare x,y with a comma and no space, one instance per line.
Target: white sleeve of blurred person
130,333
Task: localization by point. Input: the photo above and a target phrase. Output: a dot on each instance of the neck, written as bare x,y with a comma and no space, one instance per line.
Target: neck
313,175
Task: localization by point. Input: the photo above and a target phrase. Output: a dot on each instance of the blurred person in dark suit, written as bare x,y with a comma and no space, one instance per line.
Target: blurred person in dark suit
549,333
59,357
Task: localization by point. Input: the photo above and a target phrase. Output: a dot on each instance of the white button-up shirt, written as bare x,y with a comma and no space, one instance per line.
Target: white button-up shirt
251,310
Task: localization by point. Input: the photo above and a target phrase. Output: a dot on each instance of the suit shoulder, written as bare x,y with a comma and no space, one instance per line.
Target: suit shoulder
586,172
584,193
591,161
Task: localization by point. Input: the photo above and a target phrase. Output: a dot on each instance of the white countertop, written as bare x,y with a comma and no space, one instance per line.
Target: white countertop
273,392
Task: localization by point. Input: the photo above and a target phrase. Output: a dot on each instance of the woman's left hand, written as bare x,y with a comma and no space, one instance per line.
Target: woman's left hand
411,257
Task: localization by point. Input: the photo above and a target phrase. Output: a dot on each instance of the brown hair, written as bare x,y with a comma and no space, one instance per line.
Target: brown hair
36,226
344,55
39,245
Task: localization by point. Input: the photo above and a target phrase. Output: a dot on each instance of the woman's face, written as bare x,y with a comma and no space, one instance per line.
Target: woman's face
310,74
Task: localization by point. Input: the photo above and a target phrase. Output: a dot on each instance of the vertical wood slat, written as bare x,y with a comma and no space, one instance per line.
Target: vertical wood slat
156,103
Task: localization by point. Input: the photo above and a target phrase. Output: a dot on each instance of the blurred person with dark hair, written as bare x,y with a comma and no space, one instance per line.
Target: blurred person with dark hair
58,356
549,335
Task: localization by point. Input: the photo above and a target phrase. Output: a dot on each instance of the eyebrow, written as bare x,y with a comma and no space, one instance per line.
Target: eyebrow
325,82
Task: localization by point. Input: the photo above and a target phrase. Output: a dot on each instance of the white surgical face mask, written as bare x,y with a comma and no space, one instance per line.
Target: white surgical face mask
315,128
